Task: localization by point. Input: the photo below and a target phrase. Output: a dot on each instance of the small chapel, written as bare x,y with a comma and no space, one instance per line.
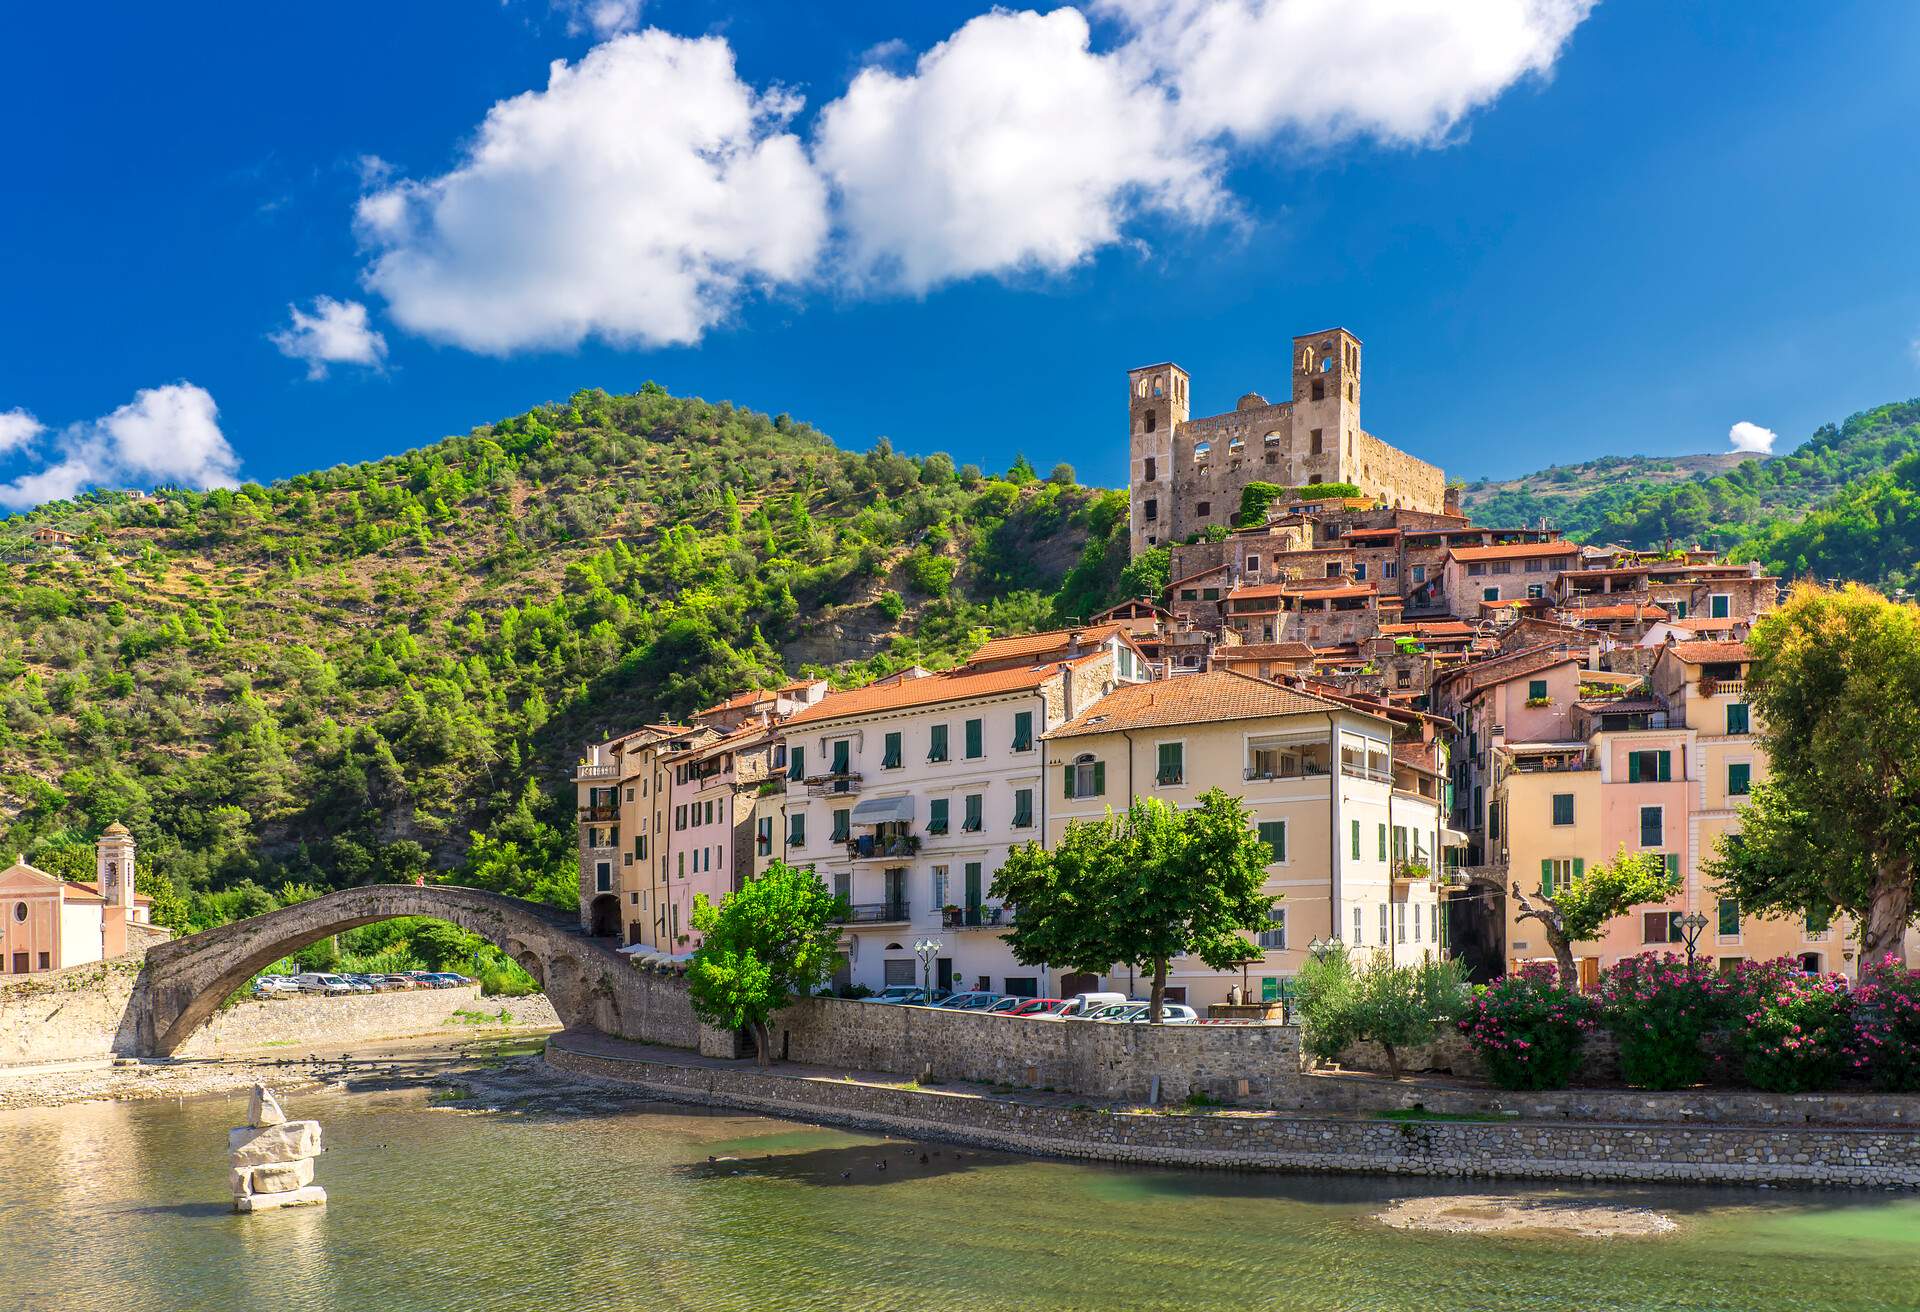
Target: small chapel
49,923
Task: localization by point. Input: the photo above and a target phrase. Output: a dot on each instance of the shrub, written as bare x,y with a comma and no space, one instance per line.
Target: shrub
1662,1012
891,605
1794,1028
1886,1025
1397,1007
1325,992
1529,1028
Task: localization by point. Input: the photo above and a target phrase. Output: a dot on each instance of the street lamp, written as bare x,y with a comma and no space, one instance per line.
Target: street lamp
1691,925
929,951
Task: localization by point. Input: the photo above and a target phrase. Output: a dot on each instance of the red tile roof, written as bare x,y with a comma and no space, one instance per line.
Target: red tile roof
1190,699
1709,653
1515,551
1026,646
1264,651
948,686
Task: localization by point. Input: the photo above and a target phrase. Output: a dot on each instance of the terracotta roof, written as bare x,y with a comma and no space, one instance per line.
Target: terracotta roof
1636,611
1189,699
1200,574
1254,591
1515,551
751,697
1622,705
1336,592
1435,628
92,889
1373,533
947,686
1264,651
1709,653
1026,646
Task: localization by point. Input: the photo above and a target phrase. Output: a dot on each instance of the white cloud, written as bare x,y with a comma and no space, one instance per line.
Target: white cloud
603,18
635,199
1751,437
164,435
1012,145
1403,72
336,332
17,428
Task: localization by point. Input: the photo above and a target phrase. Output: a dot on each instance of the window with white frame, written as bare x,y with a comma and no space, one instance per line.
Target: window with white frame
1275,934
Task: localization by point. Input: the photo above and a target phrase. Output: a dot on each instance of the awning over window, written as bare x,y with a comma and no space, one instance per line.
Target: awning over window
883,810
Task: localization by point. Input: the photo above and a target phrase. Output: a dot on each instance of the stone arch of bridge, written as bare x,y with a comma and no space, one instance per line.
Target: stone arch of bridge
184,981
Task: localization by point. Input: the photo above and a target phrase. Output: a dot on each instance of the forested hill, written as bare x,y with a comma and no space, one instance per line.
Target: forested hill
340,677
1843,504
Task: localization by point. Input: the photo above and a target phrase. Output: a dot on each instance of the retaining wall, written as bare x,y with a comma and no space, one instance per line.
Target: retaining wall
1232,1063
1717,1154
311,1020
76,1014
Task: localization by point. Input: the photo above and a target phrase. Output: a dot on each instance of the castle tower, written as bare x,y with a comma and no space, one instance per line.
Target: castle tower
113,868
1326,406
1156,407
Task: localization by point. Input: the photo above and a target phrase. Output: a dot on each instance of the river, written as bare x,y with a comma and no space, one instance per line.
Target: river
562,1196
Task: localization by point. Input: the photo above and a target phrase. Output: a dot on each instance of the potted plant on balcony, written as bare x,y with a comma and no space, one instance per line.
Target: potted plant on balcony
949,915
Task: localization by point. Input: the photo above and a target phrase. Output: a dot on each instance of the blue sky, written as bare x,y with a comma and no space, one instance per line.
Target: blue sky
1561,233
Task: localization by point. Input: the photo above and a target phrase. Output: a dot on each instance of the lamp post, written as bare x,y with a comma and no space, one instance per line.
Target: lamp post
928,950
1690,926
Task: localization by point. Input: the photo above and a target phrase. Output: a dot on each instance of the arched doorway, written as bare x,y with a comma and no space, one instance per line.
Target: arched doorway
604,916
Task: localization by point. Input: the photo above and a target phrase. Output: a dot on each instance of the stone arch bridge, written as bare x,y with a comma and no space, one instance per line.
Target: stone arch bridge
184,981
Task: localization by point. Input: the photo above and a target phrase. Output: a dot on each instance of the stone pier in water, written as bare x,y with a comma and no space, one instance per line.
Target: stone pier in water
272,1158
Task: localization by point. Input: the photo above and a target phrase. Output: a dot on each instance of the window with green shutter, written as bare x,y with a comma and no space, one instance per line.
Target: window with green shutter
1022,808
975,740
1536,690
1381,845
1563,808
1739,779
1649,767
1173,767
937,815
1274,834
971,821
1022,731
797,767
842,826
1729,918
1354,845
890,758
841,751
937,743
1673,865
1721,605
797,829
1653,830
1739,718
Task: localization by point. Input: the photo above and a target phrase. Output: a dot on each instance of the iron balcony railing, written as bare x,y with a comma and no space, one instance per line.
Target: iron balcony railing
877,913
832,785
610,811
875,846
1304,770
976,917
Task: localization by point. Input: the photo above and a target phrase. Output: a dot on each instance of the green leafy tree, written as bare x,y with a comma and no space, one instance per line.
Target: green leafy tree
1578,909
769,941
1835,679
1157,884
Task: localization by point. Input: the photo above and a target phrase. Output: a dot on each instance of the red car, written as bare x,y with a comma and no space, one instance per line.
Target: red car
1037,1007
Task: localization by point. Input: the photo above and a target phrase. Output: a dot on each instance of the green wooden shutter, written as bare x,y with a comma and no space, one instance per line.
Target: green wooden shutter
1067,779
1546,876
1673,865
1099,778
1666,767
1579,867
1633,767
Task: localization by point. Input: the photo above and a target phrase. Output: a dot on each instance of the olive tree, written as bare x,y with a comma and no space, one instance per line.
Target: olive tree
1579,908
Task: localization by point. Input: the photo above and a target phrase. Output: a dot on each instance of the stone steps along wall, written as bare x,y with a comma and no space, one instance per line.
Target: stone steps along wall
1705,1154
314,1020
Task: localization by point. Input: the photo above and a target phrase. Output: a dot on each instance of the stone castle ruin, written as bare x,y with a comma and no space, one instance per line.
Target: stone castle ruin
1187,474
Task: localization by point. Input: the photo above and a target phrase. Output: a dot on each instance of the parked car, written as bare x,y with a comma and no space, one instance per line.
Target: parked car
450,980
1008,1005
1171,1013
912,995
275,985
1049,1008
317,982
1116,1010
1082,1003
972,1000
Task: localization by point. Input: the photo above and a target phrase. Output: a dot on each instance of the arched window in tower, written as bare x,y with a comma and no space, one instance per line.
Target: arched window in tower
1149,421
1326,364
1159,387
1306,359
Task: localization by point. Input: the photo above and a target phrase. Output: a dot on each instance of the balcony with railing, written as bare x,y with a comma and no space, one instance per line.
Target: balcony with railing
1734,688
839,784
1281,760
596,770
892,911
982,917
600,812
878,847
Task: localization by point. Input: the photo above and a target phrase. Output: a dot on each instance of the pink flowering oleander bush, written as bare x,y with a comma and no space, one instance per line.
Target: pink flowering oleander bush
1793,1031
1885,1046
1662,1014
1528,1028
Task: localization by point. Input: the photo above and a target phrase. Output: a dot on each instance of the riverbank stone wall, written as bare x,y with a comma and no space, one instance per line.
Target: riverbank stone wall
314,1021
1706,1154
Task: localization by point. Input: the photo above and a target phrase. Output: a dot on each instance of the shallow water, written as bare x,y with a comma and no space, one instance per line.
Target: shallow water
610,1203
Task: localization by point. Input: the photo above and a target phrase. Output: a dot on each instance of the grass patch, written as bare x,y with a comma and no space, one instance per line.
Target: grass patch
1422,1114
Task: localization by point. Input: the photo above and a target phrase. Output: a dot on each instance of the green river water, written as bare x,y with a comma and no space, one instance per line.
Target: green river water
597,1201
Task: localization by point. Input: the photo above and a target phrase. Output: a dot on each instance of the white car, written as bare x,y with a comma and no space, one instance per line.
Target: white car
276,984
1171,1013
332,985
1116,1010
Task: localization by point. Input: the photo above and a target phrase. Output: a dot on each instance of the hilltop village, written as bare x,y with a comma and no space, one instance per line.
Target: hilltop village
1426,718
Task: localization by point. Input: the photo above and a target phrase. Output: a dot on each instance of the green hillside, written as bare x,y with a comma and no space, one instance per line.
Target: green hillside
1840,505
386,669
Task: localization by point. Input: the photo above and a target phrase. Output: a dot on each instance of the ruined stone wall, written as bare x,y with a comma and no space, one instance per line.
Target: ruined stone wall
1396,477
76,1014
